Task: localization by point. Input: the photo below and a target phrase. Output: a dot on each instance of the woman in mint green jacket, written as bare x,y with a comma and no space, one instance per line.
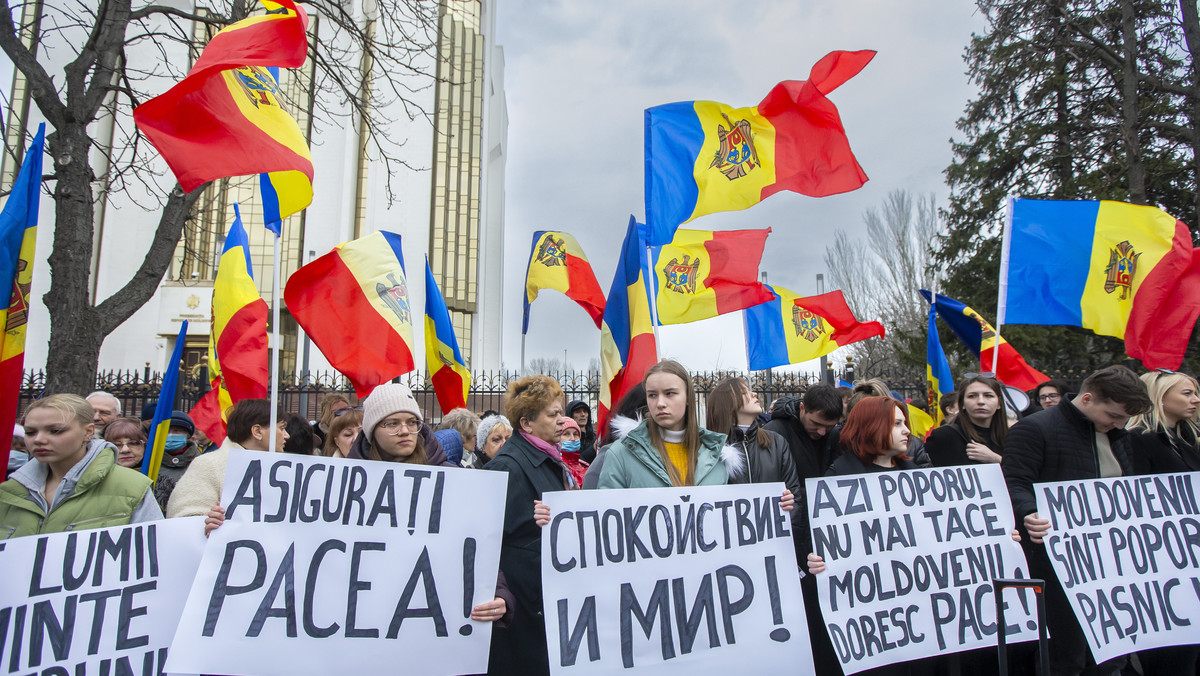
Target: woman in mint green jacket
72,482
668,448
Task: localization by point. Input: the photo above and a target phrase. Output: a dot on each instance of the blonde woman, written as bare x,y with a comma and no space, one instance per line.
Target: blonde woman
72,481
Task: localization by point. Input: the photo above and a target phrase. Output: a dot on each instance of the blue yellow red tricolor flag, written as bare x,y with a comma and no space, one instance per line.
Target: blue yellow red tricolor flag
355,305
702,274
783,331
627,347
980,338
938,380
160,424
18,235
556,261
444,361
226,117
703,157
237,340
1121,270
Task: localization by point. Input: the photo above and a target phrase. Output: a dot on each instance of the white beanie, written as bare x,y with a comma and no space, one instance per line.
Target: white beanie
385,400
485,428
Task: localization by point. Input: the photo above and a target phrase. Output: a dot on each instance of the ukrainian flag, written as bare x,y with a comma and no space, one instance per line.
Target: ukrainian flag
445,363
703,157
161,423
937,370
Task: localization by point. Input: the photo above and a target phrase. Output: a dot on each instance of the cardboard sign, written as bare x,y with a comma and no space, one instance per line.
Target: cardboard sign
1127,553
672,581
100,601
318,554
910,559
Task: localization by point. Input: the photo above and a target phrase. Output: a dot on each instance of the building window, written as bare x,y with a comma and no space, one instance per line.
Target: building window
457,162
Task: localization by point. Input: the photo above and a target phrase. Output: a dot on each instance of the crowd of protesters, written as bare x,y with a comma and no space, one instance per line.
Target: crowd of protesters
75,465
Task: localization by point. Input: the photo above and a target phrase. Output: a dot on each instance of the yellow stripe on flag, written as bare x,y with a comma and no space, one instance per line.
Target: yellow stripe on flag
717,190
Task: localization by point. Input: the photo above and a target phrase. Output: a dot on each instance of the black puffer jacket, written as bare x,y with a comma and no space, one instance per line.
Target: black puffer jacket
766,464
1057,444
811,457
1162,453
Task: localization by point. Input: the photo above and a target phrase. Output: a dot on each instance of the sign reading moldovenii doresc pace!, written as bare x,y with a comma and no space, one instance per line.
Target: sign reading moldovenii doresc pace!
318,554
100,601
911,556
672,581
1127,553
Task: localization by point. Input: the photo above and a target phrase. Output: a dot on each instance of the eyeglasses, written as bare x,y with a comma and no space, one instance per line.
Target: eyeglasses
1049,397
128,444
346,410
985,374
394,426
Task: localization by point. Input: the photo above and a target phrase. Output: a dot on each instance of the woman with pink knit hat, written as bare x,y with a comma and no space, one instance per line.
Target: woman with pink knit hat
570,449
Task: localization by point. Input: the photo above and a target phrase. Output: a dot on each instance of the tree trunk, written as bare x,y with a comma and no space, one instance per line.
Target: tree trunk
1063,167
1130,122
1191,36
74,342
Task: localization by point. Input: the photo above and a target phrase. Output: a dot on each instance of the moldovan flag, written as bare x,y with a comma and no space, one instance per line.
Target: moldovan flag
237,341
702,274
1119,269
703,157
980,338
556,261
160,424
938,380
444,361
18,235
627,347
919,422
354,304
782,332
226,118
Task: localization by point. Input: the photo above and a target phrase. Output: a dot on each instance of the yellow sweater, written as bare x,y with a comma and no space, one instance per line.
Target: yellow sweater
679,457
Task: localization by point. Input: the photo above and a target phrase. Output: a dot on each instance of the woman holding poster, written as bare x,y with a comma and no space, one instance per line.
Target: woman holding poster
1165,439
535,466
72,482
668,448
977,433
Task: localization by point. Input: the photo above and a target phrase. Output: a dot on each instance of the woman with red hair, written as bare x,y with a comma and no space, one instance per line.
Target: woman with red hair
874,438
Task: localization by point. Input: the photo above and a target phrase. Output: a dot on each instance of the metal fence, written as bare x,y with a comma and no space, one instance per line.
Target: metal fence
302,395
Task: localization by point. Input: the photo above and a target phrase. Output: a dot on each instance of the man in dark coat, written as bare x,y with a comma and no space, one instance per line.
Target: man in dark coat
1081,438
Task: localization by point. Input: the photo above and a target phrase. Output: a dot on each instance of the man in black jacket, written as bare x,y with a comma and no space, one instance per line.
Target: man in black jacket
1081,438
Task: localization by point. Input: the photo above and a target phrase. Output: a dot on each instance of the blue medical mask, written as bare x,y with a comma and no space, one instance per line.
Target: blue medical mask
571,446
176,441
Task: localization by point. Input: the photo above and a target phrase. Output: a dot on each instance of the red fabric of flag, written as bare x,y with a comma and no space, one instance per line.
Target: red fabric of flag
847,328
812,152
1166,307
734,257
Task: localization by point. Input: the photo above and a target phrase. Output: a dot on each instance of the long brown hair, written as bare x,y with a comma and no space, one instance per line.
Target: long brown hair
999,423
691,427
722,406
340,422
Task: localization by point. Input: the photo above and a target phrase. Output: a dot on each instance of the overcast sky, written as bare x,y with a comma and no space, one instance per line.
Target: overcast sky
578,76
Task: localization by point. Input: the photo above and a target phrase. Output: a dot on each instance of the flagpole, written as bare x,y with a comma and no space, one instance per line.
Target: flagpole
1001,301
274,384
652,287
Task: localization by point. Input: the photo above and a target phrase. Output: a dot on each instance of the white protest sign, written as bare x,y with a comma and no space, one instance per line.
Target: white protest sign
1127,553
100,601
672,581
318,554
910,559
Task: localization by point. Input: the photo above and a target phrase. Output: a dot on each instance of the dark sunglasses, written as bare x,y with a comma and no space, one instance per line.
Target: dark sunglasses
346,410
